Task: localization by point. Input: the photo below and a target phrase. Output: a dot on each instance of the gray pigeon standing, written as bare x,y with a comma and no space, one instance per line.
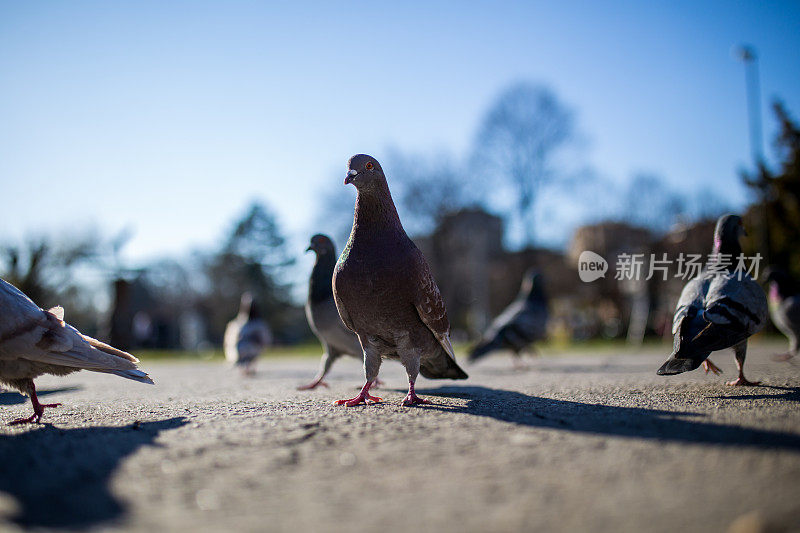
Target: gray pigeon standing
719,309
246,336
35,342
321,311
784,309
520,324
385,292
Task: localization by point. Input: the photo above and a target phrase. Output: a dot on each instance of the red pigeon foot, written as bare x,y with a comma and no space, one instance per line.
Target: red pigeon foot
38,410
412,398
313,385
363,397
782,357
708,366
520,366
743,382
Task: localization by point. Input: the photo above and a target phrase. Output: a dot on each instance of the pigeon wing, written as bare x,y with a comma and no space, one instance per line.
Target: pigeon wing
429,303
690,302
29,332
737,303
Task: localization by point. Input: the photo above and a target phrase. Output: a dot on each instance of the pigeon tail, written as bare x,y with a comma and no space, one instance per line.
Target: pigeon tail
675,365
482,349
448,370
135,375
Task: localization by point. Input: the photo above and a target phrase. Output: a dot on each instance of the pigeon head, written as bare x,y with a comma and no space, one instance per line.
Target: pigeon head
248,306
779,281
364,172
319,288
727,233
532,284
321,245
729,229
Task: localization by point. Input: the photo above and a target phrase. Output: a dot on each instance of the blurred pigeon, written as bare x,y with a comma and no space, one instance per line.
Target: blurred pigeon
246,336
35,342
385,292
719,309
520,324
784,309
321,311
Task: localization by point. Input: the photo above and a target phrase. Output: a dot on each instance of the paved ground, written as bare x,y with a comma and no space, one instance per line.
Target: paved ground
578,443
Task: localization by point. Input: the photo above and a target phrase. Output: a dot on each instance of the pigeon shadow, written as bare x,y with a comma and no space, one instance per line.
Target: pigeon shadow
595,369
59,478
543,366
791,394
598,419
14,398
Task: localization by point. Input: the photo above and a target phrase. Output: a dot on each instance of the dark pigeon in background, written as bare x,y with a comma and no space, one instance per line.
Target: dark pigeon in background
321,311
385,292
246,336
784,309
719,309
520,324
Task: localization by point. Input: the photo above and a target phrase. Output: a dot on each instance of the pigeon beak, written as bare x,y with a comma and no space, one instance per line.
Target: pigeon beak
351,175
310,248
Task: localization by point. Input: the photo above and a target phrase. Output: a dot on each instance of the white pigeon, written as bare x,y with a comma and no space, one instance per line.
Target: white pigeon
35,342
246,336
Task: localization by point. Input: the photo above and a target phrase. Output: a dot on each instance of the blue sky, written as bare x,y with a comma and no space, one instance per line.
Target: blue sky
168,117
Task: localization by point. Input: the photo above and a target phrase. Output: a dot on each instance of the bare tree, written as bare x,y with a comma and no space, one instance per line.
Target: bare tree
55,271
428,188
253,258
517,142
334,213
650,202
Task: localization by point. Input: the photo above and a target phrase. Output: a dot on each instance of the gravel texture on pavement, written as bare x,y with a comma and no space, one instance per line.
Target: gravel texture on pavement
575,443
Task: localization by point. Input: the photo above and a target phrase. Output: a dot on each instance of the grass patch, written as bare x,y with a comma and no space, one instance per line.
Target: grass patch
550,348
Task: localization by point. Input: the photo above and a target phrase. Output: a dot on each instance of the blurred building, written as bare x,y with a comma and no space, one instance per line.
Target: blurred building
140,319
460,252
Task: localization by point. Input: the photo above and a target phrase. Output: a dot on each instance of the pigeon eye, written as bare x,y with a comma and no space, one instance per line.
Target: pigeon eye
369,165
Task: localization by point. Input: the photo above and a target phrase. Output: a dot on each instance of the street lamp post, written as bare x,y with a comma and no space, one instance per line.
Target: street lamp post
747,55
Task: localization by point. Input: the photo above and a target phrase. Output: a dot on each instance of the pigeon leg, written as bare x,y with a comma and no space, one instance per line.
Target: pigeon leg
532,352
740,351
782,357
708,366
314,384
363,397
410,356
38,409
325,365
412,398
372,364
518,362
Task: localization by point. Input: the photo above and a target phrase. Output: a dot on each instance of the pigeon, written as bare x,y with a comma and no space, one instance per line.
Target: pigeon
246,336
385,293
784,309
719,309
520,324
35,342
321,311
